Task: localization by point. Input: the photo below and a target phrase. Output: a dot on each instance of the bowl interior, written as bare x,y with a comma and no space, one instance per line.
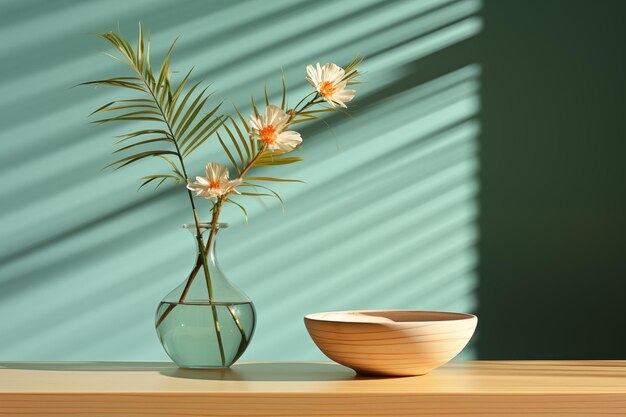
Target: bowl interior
387,316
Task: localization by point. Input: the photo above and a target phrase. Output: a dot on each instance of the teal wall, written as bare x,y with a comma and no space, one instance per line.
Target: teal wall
386,218
482,171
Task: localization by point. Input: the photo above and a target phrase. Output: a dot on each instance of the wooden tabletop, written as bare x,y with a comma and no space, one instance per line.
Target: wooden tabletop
498,388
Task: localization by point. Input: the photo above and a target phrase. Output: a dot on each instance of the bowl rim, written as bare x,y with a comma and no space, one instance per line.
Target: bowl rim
460,316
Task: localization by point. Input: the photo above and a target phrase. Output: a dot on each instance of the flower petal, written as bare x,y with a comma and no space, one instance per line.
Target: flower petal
330,101
313,77
230,185
332,73
271,112
286,141
202,180
344,95
193,186
216,172
256,122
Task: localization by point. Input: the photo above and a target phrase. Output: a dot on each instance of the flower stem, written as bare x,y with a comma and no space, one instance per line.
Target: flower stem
209,284
304,98
294,113
190,279
233,313
214,226
195,218
295,110
252,161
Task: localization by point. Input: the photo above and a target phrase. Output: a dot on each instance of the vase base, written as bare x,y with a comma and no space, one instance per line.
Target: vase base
190,337
203,367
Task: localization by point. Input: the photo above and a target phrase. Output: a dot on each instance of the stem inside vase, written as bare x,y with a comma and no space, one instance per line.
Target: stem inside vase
225,301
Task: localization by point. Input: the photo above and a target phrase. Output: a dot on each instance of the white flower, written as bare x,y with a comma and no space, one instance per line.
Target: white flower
270,129
327,80
216,182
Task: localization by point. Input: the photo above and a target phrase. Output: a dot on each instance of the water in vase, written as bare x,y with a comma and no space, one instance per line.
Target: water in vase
207,321
188,333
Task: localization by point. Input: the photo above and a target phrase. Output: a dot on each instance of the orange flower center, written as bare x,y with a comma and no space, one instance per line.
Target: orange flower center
268,134
214,184
327,89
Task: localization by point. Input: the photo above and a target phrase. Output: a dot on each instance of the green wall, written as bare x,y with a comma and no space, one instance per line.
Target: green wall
553,203
480,172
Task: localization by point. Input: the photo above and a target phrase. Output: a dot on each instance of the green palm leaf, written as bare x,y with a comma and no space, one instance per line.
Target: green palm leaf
283,101
246,141
272,179
237,147
229,154
191,112
176,123
205,124
270,159
246,128
172,102
149,178
205,134
143,142
243,209
273,193
138,133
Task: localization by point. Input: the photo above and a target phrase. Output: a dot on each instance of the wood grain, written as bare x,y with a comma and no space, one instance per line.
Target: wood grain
507,388
391,342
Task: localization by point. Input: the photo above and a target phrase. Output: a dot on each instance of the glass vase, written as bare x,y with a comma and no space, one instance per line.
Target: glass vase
205,322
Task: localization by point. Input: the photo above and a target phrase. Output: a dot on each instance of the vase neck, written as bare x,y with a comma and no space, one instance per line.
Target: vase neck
202,237
206,282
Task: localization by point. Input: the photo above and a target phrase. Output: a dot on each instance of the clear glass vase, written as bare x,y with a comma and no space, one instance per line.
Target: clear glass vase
205,322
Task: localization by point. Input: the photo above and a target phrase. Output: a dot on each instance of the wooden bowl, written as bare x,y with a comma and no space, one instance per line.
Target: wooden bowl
391,342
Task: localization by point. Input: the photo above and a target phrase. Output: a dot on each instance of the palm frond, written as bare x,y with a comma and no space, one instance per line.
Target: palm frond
312,117
272,179
273,193
127,160
246,140
254,107
143,142
273,159
235,143
229,154
351,71
174,167
256,194
283,101
123,82
110,107
202,137
201,130
176,94
138,133
191,112
246,128
238,146
267,99
149,178
182,126
243,209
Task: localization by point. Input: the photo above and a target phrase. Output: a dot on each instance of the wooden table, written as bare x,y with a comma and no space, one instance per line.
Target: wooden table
511,388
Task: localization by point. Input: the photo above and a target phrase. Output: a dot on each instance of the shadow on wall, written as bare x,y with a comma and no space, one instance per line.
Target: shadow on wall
552,181
386,219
